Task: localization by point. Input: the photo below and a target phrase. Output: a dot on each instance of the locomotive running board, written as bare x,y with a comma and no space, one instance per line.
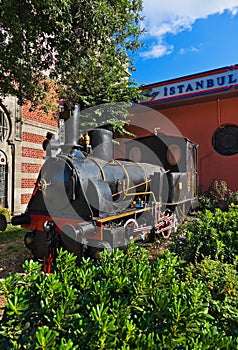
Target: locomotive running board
114,217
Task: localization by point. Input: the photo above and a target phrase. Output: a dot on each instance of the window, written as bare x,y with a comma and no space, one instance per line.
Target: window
135,154
3,126
225,140
173,154
18,123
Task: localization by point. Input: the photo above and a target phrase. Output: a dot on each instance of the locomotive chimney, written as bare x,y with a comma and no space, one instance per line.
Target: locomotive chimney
71,130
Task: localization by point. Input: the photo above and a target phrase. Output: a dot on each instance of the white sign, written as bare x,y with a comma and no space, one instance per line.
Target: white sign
196,85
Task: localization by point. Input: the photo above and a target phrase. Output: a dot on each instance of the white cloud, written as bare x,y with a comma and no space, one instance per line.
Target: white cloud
173,16
183,51
157,50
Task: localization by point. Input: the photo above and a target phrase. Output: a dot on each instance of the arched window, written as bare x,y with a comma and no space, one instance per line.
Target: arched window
225,140
4,127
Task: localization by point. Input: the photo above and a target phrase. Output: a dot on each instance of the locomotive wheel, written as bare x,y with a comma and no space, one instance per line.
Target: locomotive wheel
129,226
75,248
166,233
71,243
35,241
93,252
97,248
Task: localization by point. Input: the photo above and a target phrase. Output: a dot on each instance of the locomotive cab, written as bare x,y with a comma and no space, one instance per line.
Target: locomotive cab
178,157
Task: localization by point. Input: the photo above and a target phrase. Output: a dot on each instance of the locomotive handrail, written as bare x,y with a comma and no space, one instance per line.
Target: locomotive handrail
179,202
100,168
127,176
146,177
113,217
141,193
130,188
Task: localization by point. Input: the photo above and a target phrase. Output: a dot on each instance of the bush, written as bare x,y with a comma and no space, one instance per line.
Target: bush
5,212
213,234
122,301
218,196
220,288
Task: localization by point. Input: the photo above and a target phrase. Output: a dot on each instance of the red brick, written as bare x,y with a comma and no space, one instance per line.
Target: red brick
29,137
39,116
30,168
32,153
25,198
28,183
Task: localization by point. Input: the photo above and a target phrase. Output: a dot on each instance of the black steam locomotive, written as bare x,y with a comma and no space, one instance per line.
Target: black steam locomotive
84,200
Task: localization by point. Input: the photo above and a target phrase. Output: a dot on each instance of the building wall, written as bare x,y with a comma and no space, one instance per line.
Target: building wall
204,107
21,154
198,122
10,147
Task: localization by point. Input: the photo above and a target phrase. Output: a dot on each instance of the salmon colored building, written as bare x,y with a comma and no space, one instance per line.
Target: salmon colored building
204,107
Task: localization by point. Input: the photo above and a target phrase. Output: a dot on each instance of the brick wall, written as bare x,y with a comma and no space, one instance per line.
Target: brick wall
38,116
30,137
23,149
35,127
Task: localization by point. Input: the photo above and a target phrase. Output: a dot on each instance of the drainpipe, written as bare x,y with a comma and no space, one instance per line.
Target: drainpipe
218,113
13,176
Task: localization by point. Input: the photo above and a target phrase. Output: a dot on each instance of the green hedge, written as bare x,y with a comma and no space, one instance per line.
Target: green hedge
212,234
122,301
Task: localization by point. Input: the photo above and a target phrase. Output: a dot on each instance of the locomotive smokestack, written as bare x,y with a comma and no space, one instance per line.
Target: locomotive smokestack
101,141
72,127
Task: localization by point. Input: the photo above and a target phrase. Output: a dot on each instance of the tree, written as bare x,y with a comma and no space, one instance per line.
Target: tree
83,46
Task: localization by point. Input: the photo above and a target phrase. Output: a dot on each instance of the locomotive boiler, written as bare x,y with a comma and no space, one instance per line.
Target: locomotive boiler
85,200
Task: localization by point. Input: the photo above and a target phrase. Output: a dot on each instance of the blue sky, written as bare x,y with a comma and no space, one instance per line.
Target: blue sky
185,37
